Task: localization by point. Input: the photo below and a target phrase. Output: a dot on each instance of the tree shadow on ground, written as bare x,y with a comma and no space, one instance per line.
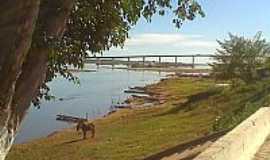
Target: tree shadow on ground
191,102
72,141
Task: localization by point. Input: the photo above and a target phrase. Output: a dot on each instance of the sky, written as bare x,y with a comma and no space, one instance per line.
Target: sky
241,17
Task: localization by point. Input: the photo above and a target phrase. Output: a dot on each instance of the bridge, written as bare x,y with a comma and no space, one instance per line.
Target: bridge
128,59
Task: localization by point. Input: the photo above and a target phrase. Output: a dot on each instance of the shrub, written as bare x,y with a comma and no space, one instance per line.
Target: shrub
241,58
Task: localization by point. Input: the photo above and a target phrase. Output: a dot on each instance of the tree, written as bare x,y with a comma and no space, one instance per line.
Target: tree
40,38
240,58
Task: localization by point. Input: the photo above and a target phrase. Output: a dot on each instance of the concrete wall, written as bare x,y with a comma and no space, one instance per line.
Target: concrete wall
243,141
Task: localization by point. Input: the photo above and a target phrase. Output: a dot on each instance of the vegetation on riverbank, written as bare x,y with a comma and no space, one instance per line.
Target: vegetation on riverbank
191,108
241,101
130,133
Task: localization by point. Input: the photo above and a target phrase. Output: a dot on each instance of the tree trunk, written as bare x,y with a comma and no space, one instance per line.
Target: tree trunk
35,67
17,24
22,66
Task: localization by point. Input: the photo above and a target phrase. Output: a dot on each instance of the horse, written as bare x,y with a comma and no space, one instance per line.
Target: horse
85,127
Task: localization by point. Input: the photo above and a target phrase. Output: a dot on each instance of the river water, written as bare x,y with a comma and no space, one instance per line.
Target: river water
95,94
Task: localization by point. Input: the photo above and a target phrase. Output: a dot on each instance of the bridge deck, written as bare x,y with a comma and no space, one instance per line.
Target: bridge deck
152,56
126,60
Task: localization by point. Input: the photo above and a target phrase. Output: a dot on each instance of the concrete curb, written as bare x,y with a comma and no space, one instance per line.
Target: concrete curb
243,141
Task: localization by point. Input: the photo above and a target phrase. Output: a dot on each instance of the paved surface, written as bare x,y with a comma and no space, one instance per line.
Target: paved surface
187,150
264,151
189,153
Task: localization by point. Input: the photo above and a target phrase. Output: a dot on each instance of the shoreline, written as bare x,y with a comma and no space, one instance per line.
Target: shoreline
172,69
106,115
132,101
127,128
95,107
150,99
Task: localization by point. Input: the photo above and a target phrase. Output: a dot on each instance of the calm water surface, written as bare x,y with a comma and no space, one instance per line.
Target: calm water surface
95,94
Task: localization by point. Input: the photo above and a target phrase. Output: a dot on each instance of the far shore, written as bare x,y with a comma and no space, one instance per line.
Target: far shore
157,69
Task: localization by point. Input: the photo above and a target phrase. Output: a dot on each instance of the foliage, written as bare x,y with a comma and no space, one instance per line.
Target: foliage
245,62
240,58
246,99
96,25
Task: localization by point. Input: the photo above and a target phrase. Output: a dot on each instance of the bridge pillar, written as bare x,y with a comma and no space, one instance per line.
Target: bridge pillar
112,63
193,61
98,62
128,65
159,59
175,60
143,60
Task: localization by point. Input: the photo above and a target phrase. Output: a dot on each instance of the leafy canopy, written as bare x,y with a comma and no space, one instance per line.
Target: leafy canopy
96,25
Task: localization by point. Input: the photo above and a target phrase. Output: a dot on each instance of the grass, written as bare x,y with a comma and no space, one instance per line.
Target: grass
240,102
190,110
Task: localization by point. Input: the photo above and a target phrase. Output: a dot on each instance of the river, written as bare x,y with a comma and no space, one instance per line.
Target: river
94,96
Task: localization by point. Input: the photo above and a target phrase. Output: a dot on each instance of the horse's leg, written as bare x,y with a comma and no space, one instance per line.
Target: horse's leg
84,134
92,129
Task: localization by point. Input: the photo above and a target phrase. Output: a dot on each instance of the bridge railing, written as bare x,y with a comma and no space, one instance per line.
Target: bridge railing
128,59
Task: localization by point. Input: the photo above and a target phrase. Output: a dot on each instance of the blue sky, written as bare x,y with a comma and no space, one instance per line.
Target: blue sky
242,17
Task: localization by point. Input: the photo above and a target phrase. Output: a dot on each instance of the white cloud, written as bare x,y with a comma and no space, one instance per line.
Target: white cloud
174,40
198,43
166,43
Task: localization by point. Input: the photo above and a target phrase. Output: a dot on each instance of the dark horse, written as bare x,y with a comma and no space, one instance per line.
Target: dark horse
85,127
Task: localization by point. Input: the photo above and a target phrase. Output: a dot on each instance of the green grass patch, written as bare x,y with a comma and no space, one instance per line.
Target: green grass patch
192,108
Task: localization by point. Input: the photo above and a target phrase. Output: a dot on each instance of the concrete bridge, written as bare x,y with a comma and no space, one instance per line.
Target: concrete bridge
127,60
